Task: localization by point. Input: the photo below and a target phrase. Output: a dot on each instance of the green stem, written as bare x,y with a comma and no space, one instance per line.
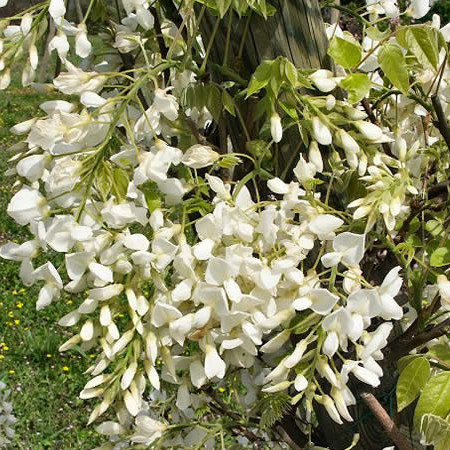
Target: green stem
210,44
227,44
244,36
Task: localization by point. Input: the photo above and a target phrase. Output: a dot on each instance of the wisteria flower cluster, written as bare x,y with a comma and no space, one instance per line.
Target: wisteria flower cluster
221,273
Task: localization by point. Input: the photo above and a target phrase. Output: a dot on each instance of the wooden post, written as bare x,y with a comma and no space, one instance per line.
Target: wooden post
295,31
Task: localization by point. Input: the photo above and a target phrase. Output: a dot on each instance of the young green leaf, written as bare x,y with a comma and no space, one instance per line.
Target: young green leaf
345,52
435,398
260,78
435,431
357,85
228,103
423,43
291,73
223,6
392,62
441,256
411,381
402,363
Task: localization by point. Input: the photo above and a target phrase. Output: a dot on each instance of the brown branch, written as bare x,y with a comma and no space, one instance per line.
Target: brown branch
383,417
441,122
290,433
406,343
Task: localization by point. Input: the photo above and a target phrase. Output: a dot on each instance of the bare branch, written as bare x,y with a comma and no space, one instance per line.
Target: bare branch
383,417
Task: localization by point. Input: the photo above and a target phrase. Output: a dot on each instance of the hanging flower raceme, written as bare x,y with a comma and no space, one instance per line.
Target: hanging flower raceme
201,256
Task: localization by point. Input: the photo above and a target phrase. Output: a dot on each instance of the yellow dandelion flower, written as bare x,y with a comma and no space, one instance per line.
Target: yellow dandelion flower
92,356
15,292
5,348
11,314
69,302
48,355
2,357
11,371
65,369
19,305
221,389
17,321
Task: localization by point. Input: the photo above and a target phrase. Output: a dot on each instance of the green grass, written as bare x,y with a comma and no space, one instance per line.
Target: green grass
45,383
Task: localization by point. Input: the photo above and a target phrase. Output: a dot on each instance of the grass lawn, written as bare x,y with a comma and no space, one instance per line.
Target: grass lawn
45,383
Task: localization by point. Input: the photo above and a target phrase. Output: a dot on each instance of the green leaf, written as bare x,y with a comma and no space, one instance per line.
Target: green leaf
435,431
103,179
376,34
290,110
441,256
291,73
120,185
214,101
441,352
422,42
228,103
357,85
434,227
346,52
392,62
273,407
435,398
222,6
260,78
152,195
411,382
402,363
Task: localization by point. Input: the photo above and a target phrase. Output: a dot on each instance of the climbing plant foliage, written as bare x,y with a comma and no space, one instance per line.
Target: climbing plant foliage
247,243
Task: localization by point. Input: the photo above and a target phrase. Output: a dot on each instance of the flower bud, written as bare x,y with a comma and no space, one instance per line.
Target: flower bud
444,291
331,102
323,79
369,130
304,171
315,157
276,128
347,142
321,132
399,148
329,405
199,156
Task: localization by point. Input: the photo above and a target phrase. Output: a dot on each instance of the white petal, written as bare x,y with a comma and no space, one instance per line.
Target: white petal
214,365
87,330
323,300
101,272
57,9
300,383
331,344
202,250
197,373
278,186
136,242
324,225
